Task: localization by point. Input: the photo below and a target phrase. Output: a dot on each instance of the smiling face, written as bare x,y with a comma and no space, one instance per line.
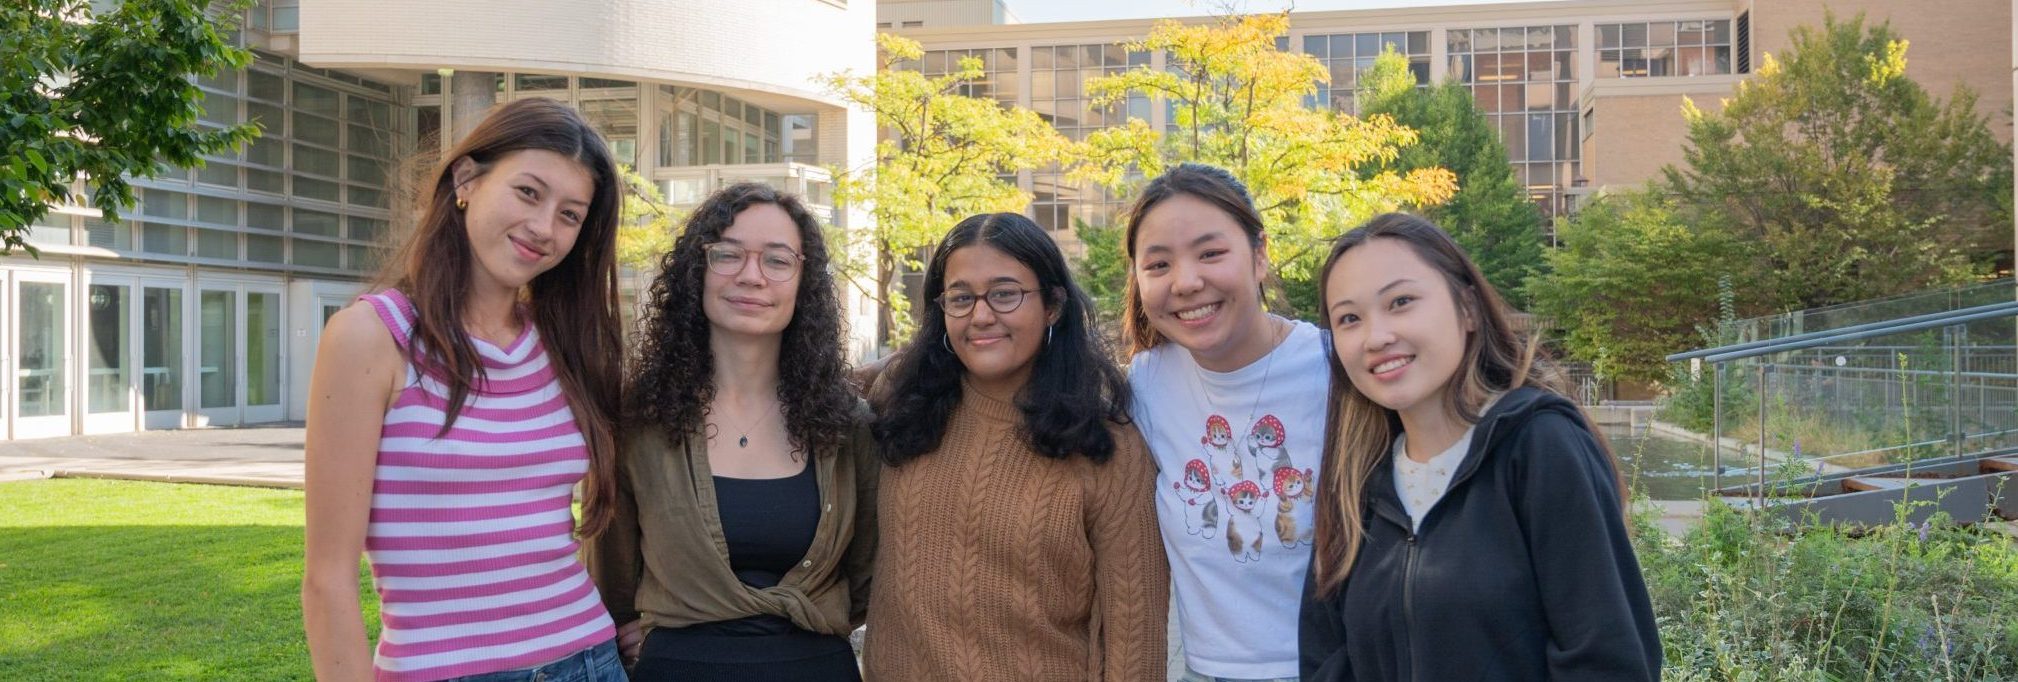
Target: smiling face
523,214
1199,277
1395,326
747,303
998,349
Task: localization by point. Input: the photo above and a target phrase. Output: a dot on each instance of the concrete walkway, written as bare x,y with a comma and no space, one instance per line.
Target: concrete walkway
266,456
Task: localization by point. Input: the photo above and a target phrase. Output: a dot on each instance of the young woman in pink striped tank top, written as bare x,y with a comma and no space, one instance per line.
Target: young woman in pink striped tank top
452,414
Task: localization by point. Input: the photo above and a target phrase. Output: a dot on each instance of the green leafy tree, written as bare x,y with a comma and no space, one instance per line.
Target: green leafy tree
1634,275
1491,215
648,226
104,96
1103,269
944,157
1237,102
1851,180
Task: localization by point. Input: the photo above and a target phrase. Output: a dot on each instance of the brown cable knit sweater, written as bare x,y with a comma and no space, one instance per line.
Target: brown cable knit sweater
997,563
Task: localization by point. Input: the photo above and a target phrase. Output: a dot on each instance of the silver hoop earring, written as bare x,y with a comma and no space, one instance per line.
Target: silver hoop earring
1048,331
947,341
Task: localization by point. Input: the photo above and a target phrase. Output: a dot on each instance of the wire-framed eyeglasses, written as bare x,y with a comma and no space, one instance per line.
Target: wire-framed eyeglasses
1002,300
778,263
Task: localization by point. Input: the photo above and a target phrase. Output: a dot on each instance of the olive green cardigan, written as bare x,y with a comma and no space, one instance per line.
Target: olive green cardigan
664,558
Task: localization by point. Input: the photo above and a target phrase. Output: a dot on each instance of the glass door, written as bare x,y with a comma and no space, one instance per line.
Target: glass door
162,394
217,356
110,344
240,354
40,372
264,346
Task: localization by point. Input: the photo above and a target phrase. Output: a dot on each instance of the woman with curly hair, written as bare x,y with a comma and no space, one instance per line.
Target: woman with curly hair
1019,536
746,480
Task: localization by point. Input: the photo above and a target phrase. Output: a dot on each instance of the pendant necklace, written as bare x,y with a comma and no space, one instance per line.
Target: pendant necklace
743,441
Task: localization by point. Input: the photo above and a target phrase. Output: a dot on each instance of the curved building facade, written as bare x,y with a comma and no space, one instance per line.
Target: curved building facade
203,304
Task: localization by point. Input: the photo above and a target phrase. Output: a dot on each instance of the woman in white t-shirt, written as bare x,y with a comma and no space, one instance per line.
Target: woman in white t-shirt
1231,401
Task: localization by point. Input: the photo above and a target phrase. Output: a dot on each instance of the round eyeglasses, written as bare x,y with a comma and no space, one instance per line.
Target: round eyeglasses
1002,300
778,263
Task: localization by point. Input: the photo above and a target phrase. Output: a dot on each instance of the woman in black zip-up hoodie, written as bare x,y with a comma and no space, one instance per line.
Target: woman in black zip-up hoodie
1470,525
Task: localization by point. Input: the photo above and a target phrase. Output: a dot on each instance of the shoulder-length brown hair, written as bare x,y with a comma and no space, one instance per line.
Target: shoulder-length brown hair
1359,432
1210,184
573,305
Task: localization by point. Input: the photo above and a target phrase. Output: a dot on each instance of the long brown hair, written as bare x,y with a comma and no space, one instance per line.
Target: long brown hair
573,305
1360,432
1210,184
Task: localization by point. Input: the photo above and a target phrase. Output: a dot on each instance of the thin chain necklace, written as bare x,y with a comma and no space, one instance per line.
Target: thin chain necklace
743,441
1275,338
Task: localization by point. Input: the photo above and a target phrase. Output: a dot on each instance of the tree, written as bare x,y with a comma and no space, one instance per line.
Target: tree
1491,215
648,226
1852,181
943,158
102,97
1237,102
1103,269
1633,277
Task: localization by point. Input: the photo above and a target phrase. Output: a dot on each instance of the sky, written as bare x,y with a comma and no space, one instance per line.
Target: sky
1044,11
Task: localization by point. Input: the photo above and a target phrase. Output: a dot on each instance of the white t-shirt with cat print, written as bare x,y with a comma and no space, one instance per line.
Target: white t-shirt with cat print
1237,455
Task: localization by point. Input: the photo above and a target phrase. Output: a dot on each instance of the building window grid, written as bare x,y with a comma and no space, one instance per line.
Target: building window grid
212,219
1522,78
706,128
1000,71
1346,55
1694,47
1058,78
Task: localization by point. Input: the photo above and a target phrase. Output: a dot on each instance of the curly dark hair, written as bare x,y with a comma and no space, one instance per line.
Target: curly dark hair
1074,391
673,377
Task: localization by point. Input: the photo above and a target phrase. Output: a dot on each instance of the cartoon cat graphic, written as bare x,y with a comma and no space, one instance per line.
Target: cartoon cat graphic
1201,505
1244,522
1292,487
1218,442
1265,442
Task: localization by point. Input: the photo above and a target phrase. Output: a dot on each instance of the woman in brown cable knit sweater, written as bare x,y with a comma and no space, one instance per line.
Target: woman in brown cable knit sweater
1018,536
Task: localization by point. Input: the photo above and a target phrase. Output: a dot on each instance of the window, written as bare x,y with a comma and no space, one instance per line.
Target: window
1699,47
700,127
1522,78
1348,54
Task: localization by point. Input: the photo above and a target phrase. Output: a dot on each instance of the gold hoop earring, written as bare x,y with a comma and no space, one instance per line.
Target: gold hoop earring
461,204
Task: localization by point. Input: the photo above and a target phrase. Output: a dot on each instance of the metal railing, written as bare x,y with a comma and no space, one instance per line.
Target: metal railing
1935,383
1878,309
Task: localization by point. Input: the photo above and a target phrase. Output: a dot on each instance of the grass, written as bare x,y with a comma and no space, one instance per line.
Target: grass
122,580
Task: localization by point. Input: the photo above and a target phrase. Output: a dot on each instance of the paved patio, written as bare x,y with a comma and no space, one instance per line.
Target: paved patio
265,455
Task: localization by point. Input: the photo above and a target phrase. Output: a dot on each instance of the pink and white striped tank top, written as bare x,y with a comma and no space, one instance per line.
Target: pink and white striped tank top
471,544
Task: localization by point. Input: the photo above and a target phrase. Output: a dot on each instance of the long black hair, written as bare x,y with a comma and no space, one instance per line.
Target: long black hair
674,376
1074,391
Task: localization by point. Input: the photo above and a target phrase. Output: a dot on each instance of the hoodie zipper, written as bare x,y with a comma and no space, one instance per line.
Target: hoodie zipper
1408,606
1408,568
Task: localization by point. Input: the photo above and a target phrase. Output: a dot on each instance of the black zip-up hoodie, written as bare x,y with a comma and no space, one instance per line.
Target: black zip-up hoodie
1523,571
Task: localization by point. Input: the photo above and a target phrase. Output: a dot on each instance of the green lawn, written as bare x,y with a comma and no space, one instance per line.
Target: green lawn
124,580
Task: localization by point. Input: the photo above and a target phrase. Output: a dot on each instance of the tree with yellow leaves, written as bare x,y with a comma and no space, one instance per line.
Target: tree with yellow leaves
943,158
648,226
1238,102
